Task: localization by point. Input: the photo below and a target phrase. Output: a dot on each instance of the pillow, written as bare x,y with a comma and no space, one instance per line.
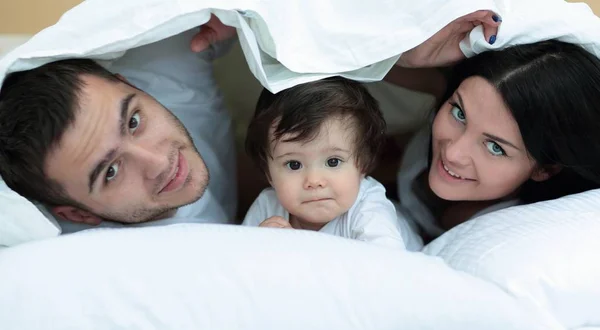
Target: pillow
195,276
21,221
545,253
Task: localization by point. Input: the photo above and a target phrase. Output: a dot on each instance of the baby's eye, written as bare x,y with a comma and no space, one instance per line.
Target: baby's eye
294,165
334,162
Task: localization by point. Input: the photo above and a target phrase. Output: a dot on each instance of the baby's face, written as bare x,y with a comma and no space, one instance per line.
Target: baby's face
317,181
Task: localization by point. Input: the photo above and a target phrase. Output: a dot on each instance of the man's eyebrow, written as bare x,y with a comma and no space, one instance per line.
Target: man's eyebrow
493,137
124,109
99,168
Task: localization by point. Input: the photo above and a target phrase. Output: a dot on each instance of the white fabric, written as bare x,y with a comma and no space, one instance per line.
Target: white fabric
20,220
372,218
545,253
286,42
193,276
414,163
289,42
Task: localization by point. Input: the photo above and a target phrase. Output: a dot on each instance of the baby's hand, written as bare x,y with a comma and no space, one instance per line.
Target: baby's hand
275,222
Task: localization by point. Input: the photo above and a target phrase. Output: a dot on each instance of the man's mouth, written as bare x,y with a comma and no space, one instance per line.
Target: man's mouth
178,175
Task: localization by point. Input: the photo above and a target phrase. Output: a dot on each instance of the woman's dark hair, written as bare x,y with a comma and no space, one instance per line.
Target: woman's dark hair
301,110
552,89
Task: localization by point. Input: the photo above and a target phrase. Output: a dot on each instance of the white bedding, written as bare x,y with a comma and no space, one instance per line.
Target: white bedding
231,277
545,253
528,267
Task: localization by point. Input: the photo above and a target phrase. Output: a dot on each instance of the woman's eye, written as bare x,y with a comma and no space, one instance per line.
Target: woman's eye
112,171
495,149
134,122
458,114
334,162
294,165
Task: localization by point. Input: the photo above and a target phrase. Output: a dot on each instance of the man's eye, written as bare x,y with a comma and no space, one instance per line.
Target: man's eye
112,171
134,122
333,162
294,165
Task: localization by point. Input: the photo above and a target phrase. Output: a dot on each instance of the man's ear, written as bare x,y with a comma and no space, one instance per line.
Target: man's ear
543,173
74,214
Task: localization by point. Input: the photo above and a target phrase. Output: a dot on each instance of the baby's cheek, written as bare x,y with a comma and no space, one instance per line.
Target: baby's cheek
349,192
286,195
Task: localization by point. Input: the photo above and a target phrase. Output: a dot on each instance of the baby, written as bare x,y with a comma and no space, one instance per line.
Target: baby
315,143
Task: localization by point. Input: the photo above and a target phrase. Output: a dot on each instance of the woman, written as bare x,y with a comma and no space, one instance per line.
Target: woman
519,125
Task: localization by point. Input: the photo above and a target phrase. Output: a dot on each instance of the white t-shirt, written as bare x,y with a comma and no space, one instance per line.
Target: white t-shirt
183,82
372,218
415,208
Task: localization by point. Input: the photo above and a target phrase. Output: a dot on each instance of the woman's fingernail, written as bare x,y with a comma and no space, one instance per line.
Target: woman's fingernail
497,18
492,39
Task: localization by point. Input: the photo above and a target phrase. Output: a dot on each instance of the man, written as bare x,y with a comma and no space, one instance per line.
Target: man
94,146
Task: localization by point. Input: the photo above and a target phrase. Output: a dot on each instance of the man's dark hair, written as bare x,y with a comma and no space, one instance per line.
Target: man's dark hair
301,110
36,108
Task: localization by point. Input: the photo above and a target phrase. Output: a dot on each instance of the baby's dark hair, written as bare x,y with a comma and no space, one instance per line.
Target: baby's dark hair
301,110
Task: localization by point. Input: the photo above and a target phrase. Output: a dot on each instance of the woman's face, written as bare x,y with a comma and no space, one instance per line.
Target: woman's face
478,151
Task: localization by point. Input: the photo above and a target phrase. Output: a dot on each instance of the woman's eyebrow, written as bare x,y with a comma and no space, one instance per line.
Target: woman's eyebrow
460,102
501,140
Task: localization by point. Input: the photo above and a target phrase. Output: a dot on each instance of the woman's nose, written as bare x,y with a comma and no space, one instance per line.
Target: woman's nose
457,151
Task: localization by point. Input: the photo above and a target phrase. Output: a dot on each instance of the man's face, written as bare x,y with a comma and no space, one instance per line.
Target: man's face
125,158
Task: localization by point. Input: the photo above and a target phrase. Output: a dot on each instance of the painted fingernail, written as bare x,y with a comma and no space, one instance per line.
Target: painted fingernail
497,18
492,39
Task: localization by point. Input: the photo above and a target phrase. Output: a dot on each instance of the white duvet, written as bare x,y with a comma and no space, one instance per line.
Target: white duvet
529,267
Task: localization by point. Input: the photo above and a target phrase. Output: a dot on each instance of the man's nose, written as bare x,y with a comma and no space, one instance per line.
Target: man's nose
152,162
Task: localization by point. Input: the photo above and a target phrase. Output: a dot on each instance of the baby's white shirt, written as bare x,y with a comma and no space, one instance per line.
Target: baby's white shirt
372,218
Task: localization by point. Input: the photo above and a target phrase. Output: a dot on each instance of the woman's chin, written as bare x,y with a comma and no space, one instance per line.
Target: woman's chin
444,191
445,195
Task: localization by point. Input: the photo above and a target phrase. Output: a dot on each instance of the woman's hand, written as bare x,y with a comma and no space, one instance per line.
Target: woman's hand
275,222
443,48
211,32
